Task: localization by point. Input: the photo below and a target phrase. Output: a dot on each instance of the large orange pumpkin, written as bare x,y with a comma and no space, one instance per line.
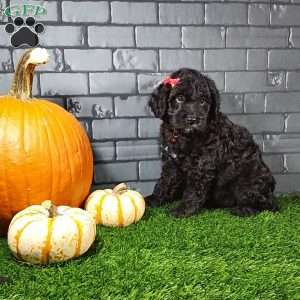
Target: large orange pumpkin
44,151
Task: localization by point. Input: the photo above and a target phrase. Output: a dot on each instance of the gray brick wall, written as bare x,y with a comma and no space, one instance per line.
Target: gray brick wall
106,57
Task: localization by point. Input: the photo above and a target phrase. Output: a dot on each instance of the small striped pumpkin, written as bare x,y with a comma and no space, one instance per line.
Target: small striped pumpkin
119,207
42,234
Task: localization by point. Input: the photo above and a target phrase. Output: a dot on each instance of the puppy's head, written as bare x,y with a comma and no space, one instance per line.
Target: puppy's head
186,100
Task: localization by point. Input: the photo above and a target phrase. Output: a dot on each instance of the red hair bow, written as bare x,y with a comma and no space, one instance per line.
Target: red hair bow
172,81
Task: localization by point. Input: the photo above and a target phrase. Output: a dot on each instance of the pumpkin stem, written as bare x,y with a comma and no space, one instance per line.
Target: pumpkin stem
51,208
22,83
120,188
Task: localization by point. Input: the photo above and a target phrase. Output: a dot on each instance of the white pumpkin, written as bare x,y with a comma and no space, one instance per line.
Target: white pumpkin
42,234
119,207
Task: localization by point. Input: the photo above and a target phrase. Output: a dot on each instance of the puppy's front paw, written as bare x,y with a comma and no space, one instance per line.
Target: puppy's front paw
177,213
182,211
152,201
244,211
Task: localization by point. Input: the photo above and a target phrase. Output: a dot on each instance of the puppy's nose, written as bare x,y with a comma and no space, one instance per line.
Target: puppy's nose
191,118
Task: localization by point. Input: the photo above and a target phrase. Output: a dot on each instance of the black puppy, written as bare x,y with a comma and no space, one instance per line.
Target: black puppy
207,160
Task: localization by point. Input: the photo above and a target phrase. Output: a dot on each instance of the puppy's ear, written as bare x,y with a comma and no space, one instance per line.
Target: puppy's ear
158,101
215,99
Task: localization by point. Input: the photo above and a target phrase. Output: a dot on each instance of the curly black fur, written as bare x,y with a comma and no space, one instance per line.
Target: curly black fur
208,162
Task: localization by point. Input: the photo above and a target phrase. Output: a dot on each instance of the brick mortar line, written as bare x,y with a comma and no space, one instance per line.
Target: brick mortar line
11,59
225,28
127,161
103,162
89,85
287,173
204,13
135,139
145,94
248,13
289,153
289,39
95,183
63,60
203,3
151,72
131,140
285,168
137,126
129,181
105,95
142,139
115,150
84,32
89,129
156,25
228,114
265,102
267,50
120,95
285,79
183,2
78,47
288,135
285,123
158,158
134,38
193,2
59,11
270,13
245,54
114,106
109,11
181,38
138,173
158,61
157,10
39,88
162,71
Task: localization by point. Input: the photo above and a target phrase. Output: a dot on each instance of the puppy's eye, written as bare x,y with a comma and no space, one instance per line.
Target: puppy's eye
201,101
180,99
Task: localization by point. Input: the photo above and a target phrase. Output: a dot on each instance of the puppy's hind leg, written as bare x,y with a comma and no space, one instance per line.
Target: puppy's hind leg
252,202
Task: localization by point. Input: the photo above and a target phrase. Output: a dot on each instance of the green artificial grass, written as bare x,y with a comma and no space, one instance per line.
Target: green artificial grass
210,256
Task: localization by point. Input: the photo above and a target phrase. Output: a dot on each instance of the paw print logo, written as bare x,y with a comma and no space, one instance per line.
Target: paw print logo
24,32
